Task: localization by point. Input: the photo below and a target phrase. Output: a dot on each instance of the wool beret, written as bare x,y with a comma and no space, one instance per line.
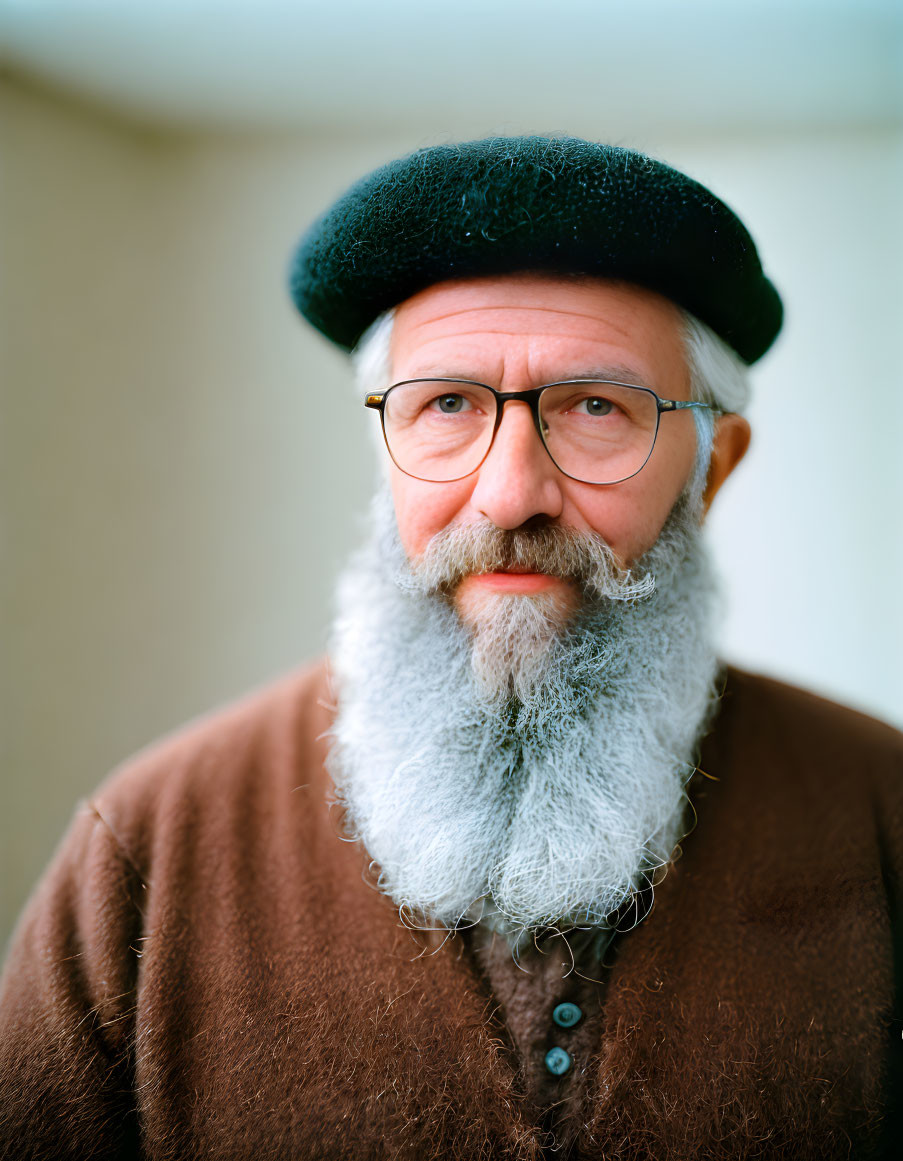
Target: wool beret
558,205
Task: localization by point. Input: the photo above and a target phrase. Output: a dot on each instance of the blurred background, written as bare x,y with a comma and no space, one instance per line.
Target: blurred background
184,464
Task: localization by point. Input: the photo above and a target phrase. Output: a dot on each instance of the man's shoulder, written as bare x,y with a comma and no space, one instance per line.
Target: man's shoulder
788,708
765,717
263,746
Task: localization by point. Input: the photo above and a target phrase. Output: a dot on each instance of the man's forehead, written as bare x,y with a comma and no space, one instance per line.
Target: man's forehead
526,301
547,326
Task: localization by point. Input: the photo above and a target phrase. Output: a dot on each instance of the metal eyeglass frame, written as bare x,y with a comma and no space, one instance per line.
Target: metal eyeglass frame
377,400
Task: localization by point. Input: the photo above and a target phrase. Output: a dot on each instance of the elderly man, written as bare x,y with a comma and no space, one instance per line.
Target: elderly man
400,905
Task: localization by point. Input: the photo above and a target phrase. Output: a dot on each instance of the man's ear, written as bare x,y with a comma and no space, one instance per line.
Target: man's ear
729,446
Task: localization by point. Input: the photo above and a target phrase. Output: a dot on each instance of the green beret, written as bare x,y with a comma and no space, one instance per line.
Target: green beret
532,203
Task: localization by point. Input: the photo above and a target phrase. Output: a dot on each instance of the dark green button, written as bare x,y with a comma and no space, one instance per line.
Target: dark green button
566,1015
557,1061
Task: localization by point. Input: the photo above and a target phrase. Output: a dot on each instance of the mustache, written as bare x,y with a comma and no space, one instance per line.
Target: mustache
578,555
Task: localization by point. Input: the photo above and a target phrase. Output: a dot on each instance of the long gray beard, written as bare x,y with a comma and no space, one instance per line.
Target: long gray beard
533,797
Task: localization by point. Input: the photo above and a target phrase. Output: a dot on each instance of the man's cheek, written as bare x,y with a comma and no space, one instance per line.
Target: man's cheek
422,509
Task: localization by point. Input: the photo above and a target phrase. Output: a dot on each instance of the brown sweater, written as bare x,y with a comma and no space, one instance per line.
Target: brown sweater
205,971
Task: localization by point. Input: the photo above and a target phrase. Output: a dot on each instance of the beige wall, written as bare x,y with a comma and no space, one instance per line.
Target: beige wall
180,472
182,466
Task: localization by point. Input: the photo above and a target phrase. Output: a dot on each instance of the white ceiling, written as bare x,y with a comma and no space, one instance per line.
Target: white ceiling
636,65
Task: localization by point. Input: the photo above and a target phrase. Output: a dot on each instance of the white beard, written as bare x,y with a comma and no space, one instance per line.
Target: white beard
546,797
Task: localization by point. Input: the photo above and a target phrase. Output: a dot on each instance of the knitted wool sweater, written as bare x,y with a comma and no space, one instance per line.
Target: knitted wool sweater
205,971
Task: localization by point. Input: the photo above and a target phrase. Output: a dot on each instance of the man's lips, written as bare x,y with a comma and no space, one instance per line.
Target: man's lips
514,581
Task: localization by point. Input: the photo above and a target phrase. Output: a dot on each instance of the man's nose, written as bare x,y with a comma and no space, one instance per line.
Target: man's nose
517,480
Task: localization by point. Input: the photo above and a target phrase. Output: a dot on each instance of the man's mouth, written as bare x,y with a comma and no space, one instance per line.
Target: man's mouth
514,580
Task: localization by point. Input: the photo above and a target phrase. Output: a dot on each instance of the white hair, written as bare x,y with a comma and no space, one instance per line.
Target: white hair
372,357
718,376
550,809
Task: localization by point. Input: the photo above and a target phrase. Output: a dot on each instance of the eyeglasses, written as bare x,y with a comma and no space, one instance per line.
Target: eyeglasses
594,430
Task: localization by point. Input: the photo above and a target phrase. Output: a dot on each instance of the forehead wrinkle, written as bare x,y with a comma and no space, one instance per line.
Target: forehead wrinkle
421,350
514,345
615,373
538,366
473,308
597,320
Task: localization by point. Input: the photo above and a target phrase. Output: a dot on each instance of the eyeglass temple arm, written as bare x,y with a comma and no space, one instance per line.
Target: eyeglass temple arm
681,405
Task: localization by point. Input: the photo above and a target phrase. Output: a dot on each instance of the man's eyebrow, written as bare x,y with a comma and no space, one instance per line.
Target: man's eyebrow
615,372
612,372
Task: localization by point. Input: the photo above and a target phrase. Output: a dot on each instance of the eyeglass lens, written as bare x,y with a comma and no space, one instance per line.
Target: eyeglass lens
596,432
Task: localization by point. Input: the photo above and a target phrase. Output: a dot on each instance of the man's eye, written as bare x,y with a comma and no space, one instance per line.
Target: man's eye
595,405
451,404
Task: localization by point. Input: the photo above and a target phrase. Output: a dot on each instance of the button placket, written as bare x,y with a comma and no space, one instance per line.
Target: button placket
565,1015
558,1062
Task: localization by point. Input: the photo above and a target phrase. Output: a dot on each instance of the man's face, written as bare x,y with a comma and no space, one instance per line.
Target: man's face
517,332
557,783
